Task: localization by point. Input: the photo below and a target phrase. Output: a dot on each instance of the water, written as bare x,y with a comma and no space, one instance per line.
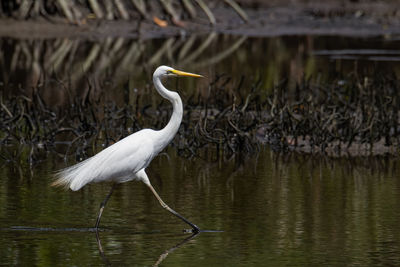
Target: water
103,68
273,210
301,212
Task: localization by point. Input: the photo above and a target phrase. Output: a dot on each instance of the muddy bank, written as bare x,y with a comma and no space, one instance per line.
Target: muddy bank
364,19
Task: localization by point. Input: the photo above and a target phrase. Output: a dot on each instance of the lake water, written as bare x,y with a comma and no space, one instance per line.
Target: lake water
264,209
273,211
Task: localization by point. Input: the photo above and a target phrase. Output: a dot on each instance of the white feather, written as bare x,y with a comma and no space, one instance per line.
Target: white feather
122,161
118,162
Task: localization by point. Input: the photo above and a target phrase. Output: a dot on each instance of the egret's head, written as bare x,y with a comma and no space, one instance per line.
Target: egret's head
165,71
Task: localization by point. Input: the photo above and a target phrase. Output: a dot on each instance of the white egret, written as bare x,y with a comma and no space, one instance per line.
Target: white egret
127,159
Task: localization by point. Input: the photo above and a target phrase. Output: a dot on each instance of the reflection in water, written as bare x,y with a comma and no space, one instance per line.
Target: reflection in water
60,69
303,211
80,68
169,251
160,259
101,251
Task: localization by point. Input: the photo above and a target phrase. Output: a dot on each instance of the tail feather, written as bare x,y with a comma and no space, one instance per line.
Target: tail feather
59,182
95,169
65,177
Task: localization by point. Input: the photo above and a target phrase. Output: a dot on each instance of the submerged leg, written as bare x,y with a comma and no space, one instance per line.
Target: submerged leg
195,229
102,205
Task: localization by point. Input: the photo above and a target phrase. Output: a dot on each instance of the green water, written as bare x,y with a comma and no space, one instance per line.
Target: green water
267,210
273,212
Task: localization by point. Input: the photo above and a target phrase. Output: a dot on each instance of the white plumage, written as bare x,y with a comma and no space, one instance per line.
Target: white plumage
119,162
127,159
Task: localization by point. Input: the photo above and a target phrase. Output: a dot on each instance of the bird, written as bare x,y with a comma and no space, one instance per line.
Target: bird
127,159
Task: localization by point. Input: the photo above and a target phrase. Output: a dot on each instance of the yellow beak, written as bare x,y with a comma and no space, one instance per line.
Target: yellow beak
182,73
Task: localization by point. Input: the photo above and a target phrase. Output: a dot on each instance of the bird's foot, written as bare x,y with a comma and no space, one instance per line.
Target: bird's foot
192,231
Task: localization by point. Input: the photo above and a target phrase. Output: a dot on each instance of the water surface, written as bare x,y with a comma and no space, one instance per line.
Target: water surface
272,212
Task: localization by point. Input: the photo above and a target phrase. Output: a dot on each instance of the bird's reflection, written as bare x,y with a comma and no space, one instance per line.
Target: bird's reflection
103,256
170,250
160,259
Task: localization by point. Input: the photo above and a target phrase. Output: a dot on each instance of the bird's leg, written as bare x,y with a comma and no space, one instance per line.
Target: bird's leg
102,205
195,228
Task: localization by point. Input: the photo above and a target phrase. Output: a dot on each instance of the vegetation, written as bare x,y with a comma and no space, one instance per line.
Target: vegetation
359,117
78,11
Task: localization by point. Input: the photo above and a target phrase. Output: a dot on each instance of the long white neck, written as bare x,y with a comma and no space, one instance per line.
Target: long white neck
168,132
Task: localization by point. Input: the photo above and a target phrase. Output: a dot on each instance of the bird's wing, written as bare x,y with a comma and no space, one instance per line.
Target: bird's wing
119,162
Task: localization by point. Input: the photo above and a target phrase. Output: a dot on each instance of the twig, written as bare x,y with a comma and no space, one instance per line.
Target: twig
206,10
238,9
